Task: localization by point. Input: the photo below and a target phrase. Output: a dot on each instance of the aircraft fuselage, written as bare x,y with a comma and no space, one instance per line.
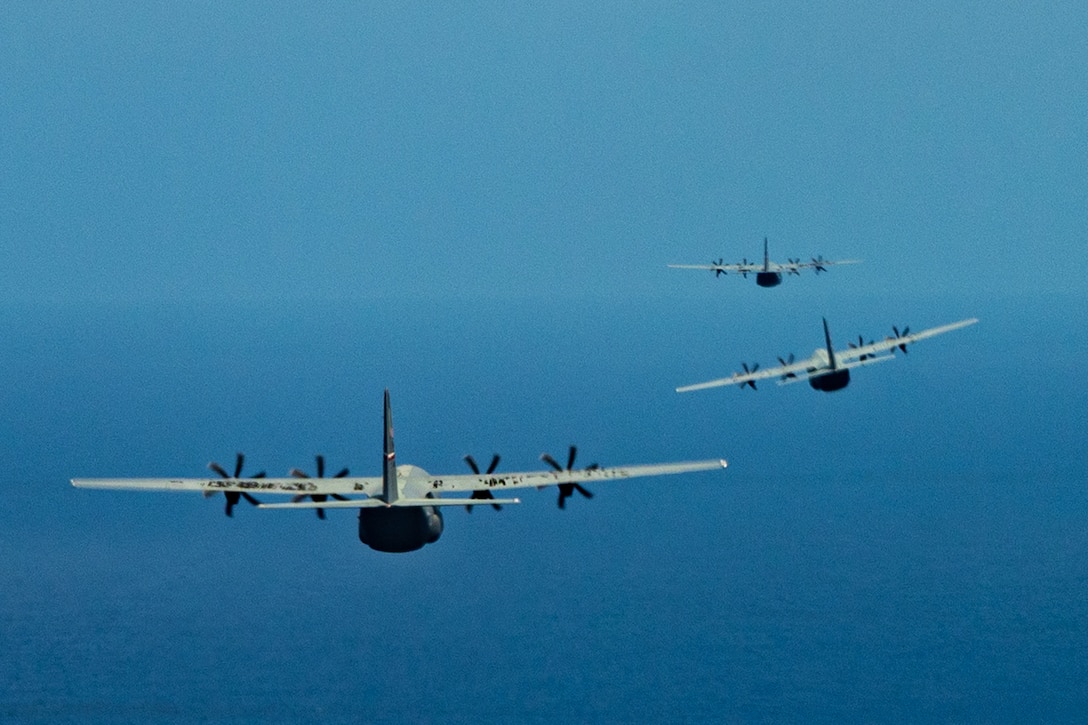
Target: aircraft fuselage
768,279
398,530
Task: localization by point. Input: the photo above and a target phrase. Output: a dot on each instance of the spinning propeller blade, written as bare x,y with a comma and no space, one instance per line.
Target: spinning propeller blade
486,494
568,489
318,497
860,343
898,334
786,362
234,497
748,371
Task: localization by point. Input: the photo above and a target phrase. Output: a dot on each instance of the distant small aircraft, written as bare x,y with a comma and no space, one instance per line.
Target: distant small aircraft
768,274
828,370
401,510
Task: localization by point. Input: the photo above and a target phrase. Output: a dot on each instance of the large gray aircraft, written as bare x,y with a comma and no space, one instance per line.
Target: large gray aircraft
828,370
768,273
401,509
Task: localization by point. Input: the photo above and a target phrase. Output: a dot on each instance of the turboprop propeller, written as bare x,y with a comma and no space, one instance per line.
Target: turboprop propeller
234,496
566,490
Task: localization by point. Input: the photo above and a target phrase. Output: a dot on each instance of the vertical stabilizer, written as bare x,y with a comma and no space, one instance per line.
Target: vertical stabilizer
766,257
830,352
390,491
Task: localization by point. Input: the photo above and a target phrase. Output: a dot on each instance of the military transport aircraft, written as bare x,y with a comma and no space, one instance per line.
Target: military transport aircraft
401,508
828,370
768,274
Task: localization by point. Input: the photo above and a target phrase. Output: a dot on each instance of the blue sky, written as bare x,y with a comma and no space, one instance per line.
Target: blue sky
171,152
229,228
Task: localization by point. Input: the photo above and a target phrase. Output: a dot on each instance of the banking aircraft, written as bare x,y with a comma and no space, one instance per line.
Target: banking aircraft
401,510
768,274
828,370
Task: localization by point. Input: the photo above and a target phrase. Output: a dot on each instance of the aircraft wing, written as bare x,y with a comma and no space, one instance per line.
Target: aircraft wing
345,486
813,264
738,268
535,479
862,352
372,486
750,377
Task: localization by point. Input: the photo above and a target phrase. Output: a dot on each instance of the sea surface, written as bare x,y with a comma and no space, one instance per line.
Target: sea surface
911,548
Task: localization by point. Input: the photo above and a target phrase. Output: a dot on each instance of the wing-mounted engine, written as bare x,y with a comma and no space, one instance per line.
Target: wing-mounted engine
318,497
860,344
902,346
233,497
748,371
485,494
566,490
786,362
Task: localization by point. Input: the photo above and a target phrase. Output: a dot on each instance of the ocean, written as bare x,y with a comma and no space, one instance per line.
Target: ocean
910,548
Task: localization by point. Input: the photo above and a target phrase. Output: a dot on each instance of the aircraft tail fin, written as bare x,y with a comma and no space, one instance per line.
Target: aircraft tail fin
830,351
390,489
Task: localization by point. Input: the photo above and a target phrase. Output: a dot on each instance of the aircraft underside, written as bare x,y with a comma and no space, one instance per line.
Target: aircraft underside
768,279
831,382
399,530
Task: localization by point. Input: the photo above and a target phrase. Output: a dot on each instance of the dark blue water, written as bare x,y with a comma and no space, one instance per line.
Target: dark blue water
913,547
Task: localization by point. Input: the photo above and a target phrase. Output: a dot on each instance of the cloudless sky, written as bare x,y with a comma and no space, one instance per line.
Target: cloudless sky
228,227
166,151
